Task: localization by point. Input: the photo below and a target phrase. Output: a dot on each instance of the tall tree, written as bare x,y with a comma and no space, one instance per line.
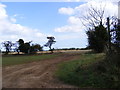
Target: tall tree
98,38
50,42
7,45
24,47
96,32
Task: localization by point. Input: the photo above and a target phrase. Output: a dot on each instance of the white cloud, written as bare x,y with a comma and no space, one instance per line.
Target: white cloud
110,8
74,25
13,20
69,28
9,30
69,40
74,20
67,11
15,15
3,14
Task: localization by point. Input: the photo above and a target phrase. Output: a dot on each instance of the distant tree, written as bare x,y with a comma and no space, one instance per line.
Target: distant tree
24,47
50,42
21,41
98,38
38,47
35,48
16,48
7,45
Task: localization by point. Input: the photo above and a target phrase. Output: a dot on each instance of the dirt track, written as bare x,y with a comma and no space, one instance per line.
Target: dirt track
36,74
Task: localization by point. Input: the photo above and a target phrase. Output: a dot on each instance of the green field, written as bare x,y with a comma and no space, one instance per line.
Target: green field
21,59
83,71
89,70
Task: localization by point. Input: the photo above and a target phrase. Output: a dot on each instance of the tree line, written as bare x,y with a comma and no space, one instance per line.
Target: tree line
26,47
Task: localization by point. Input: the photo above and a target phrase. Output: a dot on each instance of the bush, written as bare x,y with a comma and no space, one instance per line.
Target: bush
97,38
91,70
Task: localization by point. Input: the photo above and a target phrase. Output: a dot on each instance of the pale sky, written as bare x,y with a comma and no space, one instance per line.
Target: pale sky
37,20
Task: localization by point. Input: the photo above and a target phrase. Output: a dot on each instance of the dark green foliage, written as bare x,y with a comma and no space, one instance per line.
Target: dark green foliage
80,72
91,70
111,64
97,38
26,48
21,41
23,47
35,48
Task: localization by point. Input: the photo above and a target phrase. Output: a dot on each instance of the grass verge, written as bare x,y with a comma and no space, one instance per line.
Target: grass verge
89,70
14,60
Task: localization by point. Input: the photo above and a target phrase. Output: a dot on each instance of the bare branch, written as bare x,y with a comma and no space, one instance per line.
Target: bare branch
93,17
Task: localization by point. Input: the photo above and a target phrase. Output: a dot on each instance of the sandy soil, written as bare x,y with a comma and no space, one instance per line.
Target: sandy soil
36,74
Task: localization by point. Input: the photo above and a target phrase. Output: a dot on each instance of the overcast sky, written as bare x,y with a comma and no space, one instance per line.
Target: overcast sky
37,20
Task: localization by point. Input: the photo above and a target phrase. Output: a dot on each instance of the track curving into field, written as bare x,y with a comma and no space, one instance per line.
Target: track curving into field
38,74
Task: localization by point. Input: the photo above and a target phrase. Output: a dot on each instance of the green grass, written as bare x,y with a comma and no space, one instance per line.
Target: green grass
14,60
83,71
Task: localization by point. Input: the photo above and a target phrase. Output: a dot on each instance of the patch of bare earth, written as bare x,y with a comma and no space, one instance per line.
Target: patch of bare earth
38,74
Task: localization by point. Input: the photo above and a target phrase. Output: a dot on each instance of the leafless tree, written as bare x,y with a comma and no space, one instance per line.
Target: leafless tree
93,17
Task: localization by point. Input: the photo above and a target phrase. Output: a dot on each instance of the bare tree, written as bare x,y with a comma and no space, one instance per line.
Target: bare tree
93,17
